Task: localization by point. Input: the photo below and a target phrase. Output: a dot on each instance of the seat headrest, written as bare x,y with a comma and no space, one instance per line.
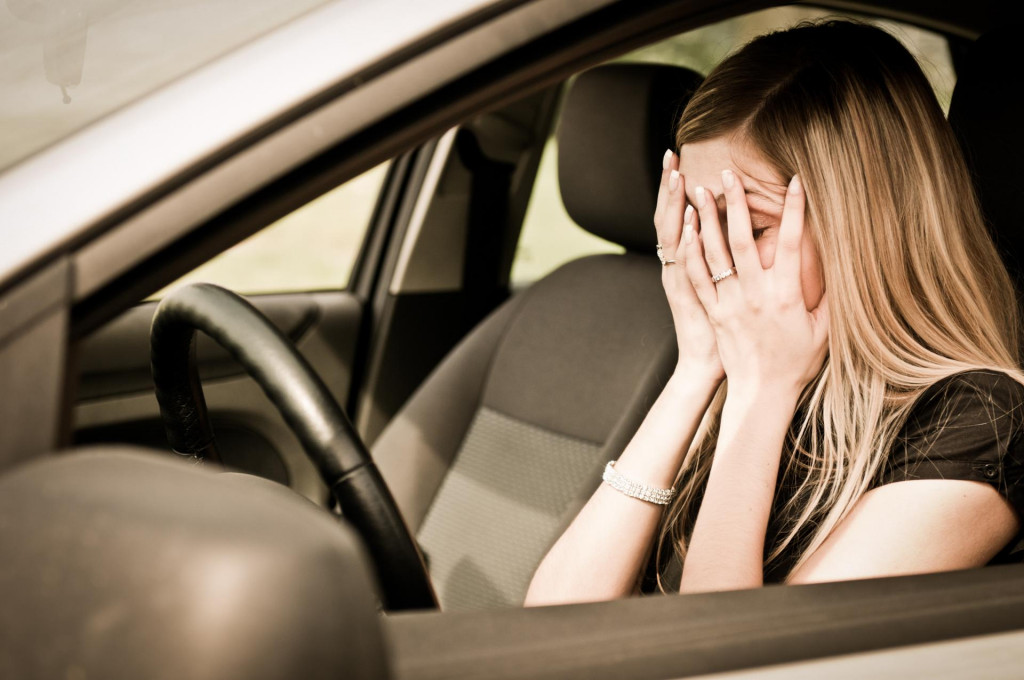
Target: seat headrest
615,126
985,115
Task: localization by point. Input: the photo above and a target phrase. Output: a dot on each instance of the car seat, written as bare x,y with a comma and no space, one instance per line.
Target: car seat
502,444
985,115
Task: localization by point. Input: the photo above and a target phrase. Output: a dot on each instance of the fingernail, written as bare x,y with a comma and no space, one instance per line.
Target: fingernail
688,232
673,180
666,159
688,215
700,196
727,179
794,185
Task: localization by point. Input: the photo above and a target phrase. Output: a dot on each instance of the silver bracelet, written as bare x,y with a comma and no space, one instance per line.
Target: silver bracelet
635,489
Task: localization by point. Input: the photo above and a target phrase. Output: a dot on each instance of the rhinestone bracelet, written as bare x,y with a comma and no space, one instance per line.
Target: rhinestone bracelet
635,489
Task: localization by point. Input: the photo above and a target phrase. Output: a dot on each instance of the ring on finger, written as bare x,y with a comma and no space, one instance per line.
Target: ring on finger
661,257
723,275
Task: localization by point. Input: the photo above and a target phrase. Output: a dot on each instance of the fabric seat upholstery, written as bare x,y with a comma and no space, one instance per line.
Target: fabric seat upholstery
985,115
499,448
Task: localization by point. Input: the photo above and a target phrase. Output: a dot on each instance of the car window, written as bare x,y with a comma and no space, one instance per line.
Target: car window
549,237
312,248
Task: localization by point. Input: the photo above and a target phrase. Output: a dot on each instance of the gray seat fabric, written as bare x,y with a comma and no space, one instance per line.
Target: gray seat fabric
985,115
499,448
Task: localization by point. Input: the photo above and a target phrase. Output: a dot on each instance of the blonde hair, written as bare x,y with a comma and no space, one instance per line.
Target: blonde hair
916,288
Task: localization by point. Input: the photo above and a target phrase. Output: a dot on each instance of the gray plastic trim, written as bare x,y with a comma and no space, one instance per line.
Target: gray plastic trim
444,272
33,364
995,657
694,635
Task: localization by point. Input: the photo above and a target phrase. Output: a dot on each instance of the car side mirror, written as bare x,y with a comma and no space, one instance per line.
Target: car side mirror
120,563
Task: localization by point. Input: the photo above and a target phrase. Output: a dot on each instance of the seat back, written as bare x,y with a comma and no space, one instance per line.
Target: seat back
503,443
985,115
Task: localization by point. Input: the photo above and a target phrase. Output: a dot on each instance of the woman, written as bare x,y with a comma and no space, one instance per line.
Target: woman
831,262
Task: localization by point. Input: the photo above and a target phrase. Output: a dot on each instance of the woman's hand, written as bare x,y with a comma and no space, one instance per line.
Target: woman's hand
766,336
698,353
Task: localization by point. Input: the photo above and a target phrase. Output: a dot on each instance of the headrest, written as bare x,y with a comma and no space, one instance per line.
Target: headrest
985,115
616,124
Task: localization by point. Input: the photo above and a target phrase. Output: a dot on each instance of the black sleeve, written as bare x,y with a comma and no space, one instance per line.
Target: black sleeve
967,426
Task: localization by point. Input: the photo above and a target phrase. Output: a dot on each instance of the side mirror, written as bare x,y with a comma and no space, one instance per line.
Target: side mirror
124,564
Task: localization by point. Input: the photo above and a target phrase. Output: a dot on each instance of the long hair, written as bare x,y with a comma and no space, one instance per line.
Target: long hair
916,288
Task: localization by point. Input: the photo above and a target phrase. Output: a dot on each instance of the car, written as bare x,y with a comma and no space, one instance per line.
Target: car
432,362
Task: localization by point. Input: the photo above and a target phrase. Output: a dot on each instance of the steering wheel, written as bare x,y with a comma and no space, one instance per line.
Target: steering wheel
303,400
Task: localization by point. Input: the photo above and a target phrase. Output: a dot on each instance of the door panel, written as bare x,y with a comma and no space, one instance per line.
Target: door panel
693,635
116,401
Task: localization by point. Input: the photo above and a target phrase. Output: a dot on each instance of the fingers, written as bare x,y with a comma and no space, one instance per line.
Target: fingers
676,279
672,224
669,213
663,187
741,236
715,249
791,236
696,265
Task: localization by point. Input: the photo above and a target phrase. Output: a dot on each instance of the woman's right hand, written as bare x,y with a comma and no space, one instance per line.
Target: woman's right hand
698,350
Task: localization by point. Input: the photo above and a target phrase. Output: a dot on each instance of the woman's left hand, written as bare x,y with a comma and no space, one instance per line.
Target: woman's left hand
767,338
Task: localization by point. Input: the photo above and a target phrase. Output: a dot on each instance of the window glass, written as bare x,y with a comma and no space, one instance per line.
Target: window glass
313,248
550,238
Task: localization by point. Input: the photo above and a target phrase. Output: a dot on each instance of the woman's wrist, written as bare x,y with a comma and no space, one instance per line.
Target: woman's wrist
695,377
783,394
727,544
755,420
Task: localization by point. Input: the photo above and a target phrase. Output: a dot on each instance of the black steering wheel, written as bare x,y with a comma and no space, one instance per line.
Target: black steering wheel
309,409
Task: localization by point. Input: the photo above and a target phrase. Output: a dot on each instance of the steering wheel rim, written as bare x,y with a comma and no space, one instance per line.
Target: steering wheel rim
326,434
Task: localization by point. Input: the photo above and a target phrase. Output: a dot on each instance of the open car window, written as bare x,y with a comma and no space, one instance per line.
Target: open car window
312,248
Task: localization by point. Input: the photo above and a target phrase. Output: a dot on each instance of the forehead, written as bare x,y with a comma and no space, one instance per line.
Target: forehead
701,163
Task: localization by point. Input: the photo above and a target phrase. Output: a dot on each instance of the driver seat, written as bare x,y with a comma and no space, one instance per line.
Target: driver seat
501,445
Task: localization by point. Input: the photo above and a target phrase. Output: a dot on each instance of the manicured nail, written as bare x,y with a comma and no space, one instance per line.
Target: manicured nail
673,180
665,160
700,196
688,233
794,185
688,215
727,179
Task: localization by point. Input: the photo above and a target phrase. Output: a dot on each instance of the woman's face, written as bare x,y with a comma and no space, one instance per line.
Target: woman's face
702,163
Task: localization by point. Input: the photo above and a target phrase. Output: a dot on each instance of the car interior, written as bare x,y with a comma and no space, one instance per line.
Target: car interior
545,385
490,407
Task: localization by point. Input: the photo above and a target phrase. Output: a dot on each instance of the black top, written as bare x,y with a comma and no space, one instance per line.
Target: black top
968,426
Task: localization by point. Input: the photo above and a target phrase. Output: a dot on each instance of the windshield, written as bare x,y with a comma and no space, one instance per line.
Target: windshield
67,63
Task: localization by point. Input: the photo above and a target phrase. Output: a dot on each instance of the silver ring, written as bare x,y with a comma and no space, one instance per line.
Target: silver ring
723,275
661,257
